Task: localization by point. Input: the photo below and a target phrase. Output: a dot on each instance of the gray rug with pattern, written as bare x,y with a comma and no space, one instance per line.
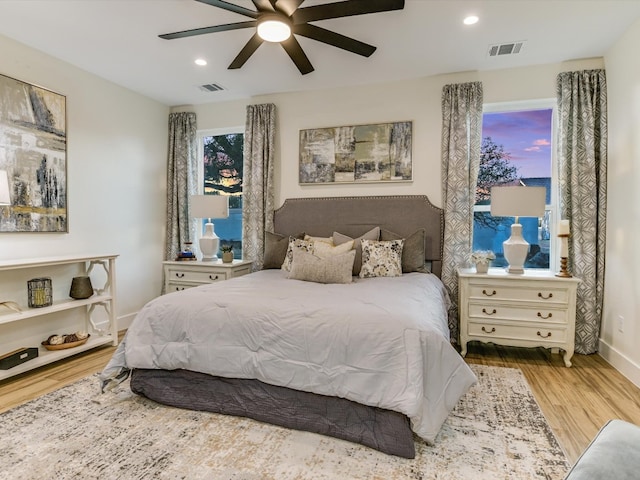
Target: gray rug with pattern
497,431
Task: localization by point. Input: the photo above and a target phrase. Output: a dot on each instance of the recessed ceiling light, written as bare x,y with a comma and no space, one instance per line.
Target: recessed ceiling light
201,61
471,19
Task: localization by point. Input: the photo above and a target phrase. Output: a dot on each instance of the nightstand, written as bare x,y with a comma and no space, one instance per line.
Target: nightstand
187,274
528,310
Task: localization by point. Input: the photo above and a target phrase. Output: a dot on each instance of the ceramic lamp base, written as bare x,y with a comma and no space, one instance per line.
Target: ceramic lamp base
209,243
516,249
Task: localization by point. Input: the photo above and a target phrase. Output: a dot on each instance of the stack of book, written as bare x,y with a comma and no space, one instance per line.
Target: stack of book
186,254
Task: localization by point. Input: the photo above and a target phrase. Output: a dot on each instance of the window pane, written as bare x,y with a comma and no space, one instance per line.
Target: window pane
516,150
222,164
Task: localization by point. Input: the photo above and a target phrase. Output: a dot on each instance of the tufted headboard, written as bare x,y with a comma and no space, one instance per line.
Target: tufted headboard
402,214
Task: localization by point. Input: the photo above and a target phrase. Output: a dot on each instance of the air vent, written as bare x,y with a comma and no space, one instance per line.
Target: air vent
211,87
511,48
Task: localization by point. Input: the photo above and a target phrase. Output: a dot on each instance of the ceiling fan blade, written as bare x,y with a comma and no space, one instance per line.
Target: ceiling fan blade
231,7
346,8
250,47
202,31
288,6
294,50
335,39
264,6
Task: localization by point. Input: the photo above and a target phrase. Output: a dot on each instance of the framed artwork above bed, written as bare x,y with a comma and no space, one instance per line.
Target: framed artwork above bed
356,154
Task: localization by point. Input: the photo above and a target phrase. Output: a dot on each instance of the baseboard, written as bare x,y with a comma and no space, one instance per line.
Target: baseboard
125,321
620,362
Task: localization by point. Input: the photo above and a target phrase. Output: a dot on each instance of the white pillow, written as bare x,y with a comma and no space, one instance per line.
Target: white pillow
324,250
328,240
381,258
332,269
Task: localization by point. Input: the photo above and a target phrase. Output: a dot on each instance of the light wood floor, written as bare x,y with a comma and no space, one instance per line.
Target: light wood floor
576,401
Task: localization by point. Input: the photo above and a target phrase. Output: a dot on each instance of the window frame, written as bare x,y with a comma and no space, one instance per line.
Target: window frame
553,207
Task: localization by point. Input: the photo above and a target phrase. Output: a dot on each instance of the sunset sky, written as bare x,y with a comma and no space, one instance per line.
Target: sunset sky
525,136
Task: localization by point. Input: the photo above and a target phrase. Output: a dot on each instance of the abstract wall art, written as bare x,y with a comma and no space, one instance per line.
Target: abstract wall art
33,151
356,154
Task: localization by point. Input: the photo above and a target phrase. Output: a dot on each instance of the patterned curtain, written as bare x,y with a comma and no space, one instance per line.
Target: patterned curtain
582,164
461,142
258,196
182,165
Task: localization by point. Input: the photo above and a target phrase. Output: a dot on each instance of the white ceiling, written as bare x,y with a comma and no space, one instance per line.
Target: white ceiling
118,40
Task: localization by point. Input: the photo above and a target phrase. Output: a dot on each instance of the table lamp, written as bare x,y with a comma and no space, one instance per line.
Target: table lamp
517,202
209,206
5,193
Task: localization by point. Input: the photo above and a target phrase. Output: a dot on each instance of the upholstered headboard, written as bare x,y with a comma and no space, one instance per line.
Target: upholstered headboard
402,214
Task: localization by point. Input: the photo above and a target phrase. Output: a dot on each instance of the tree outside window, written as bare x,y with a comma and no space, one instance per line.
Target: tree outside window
222,170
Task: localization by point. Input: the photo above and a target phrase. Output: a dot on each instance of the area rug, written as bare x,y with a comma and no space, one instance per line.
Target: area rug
497,431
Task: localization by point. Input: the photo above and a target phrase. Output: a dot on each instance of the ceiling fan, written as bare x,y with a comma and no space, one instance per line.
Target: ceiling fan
277,20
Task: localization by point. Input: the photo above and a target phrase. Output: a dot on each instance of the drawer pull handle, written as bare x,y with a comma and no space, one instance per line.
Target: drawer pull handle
484,292
492,330
211,277
548,316
545,298
493,312
180,275
179,289
544,336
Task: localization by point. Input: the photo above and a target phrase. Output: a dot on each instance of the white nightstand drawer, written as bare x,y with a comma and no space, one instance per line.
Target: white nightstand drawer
513,332
181,275
502,291
184,275
492,311
176,287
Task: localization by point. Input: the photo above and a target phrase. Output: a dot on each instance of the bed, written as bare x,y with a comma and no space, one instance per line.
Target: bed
368,360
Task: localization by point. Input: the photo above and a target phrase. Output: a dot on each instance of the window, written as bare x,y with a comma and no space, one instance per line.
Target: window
220,154
517,149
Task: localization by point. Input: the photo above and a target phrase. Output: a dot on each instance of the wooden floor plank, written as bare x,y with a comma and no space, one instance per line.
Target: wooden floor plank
576,401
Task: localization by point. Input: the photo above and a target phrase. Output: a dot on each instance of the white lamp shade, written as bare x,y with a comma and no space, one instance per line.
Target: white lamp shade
5,192
518,201
209,206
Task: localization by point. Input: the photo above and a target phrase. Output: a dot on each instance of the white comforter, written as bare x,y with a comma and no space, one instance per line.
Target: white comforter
379,341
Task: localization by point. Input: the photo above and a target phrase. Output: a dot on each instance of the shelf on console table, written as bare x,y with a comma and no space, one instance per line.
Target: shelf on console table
29,327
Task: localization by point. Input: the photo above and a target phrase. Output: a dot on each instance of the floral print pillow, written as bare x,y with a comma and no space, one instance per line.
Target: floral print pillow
304,245
381,258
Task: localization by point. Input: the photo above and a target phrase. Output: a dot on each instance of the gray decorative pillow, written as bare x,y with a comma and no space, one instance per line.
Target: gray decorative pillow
333,269
412,250
381,258
275,249
339,238
296,243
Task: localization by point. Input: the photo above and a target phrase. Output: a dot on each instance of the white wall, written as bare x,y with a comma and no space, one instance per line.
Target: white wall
116,175
417,100
622,288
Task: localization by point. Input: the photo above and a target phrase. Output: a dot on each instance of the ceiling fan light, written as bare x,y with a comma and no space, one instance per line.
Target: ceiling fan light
273,28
